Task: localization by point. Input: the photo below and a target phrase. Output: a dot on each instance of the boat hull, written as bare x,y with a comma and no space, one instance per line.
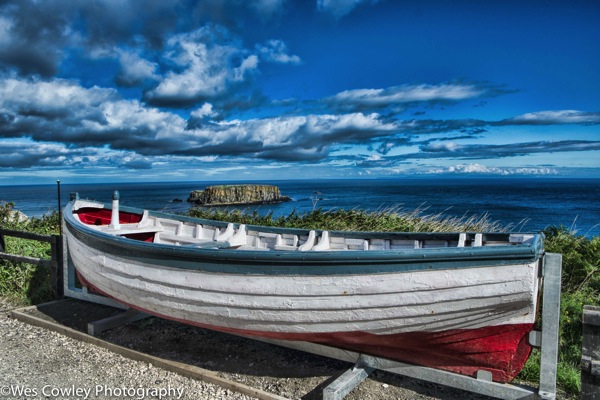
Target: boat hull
501,350
461,316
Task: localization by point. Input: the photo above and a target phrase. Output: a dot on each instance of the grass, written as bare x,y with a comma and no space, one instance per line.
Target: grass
23,283
386,220
580,280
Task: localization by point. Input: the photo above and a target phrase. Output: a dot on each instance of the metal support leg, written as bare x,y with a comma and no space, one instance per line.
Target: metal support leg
97,327
550,328
481,385
350,379
69,281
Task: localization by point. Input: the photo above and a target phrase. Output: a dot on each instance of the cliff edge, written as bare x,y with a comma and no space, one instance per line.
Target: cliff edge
224,195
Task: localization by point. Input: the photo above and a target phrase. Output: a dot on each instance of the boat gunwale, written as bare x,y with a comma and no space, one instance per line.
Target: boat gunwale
508,253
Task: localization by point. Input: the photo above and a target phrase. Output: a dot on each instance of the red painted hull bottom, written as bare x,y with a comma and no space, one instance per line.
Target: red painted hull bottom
501,350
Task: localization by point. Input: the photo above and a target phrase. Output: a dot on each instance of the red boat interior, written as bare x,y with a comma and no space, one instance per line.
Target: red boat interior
102,216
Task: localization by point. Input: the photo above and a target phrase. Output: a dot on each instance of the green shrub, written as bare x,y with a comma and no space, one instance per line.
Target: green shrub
25,283
581,259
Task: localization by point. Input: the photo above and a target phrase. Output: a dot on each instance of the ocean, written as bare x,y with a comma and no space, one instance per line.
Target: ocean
528,204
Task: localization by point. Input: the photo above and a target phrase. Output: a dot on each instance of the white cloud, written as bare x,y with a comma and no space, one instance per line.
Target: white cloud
131,116
205,111
374,157
443,147
134,69
276,51
557,117
53,94
51,99
85,125
535,171
208,158
406,94
26,153
224,170
61,111
473,168
482,169
249,64
286,138
267,8
337,8
207,61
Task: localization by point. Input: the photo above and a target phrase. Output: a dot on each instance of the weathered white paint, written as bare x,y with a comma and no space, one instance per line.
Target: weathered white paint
380,303
114,217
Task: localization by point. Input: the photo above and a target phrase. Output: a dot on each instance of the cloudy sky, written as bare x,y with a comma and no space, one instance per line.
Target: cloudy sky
154,90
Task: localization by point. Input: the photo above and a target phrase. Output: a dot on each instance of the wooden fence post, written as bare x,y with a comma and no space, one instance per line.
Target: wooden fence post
55,262
590,355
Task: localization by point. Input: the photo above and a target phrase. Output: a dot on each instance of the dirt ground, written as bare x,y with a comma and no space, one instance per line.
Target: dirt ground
278,370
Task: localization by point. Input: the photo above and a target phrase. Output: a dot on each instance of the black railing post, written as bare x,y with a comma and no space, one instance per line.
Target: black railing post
54,266
57,261
59,209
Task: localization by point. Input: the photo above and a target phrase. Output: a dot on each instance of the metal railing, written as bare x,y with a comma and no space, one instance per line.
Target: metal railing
54,263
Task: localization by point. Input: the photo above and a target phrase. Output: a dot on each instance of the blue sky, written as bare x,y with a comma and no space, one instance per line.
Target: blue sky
108,91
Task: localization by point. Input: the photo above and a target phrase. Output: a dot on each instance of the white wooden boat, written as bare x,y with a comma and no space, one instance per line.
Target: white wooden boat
461,302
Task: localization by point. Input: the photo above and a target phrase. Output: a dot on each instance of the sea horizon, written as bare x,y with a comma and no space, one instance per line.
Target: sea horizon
523,203
433,177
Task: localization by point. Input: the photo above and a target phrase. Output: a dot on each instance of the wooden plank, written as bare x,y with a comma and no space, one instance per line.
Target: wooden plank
30,260
28,235
590,354
434,243
127,230
354,242
183,239
404,244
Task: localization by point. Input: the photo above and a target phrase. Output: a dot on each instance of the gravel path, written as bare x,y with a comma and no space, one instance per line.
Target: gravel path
37,363
44,363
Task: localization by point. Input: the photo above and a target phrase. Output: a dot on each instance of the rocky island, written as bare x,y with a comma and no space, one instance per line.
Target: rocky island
226,195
